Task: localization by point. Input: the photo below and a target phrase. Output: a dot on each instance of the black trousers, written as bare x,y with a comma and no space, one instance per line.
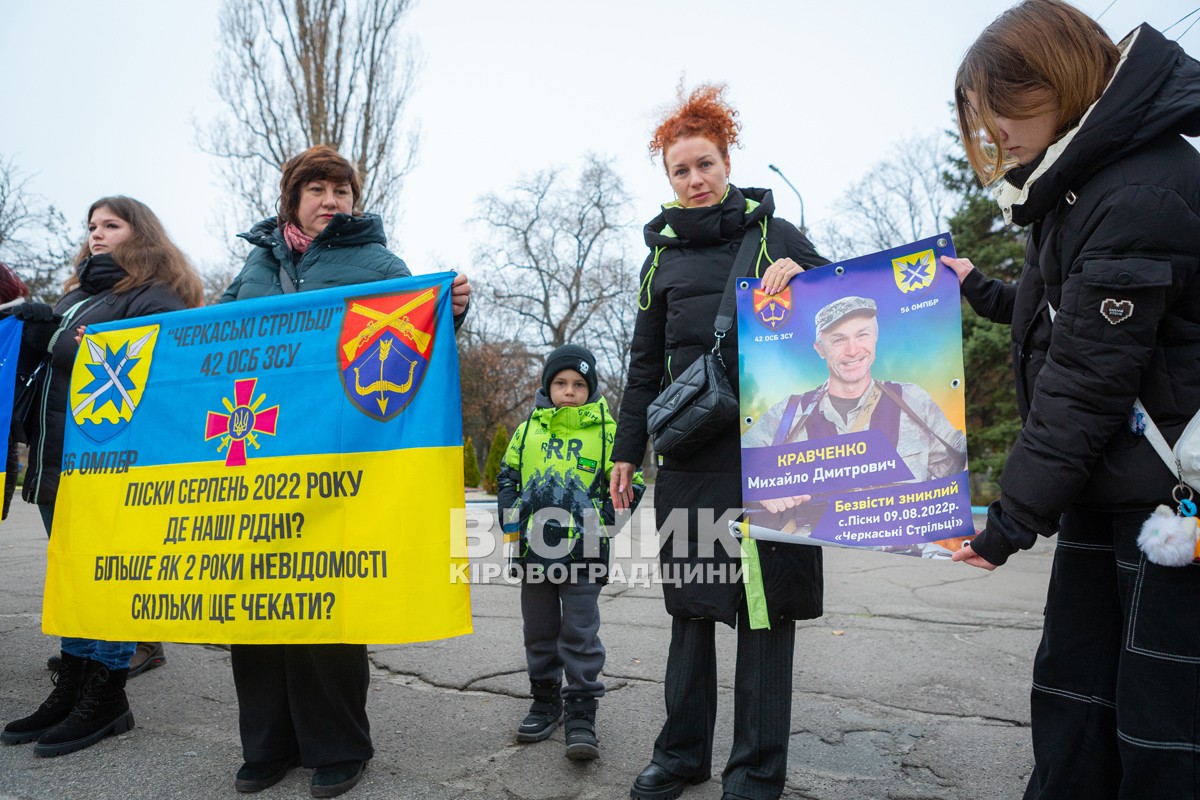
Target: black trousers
303,699
1115,705
762,706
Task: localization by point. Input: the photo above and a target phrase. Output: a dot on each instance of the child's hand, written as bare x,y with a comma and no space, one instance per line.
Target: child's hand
620,485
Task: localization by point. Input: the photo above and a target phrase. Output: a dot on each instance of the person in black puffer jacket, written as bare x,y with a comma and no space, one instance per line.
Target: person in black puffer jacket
1087,149
694,242
127,267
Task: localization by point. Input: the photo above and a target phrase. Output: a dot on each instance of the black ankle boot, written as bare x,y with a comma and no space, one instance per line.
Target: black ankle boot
580,727
68,678
544,713
102,710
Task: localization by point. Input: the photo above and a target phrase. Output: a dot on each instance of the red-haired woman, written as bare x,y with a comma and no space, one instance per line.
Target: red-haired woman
1083,138
126,267
693,243
305,703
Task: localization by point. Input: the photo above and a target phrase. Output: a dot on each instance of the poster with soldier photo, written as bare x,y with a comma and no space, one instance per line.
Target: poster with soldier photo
852,401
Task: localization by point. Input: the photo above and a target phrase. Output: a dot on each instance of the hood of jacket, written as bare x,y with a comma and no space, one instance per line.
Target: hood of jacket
724,222
1155,91
343,229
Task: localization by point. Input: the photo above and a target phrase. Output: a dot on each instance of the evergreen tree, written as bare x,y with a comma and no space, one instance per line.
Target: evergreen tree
495,458
471,476
981,235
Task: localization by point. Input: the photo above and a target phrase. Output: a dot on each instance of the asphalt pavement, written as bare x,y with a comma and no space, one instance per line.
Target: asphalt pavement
913,686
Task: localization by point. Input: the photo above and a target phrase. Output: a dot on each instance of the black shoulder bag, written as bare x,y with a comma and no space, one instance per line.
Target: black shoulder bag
700,403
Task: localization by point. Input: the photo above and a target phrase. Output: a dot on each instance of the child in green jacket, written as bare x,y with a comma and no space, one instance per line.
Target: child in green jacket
553,498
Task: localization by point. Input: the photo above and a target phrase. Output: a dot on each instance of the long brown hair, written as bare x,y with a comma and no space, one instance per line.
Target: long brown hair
147,256
319,163
1036,55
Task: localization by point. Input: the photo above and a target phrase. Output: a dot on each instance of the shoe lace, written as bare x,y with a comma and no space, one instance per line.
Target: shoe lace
89,701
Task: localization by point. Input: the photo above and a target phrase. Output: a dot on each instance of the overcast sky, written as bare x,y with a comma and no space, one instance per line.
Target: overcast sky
104,98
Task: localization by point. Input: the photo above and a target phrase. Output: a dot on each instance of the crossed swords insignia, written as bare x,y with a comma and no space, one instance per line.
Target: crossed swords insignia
114,373
396,320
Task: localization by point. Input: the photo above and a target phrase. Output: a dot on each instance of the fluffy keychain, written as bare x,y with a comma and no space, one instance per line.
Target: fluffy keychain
1169,539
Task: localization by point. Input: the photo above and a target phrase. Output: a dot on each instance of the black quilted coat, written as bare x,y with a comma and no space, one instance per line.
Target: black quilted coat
681,291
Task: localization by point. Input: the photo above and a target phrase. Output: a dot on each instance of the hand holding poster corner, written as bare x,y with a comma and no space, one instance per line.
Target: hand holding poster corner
852,401
278,470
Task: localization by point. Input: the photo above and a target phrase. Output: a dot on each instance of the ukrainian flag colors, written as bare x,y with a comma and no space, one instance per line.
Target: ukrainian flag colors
282,470
10,345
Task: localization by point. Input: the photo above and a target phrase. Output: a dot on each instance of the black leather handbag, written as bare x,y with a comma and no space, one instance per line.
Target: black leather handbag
698,404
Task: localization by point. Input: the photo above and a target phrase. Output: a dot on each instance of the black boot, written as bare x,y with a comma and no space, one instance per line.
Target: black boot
103,709
68,680
544,713
580,726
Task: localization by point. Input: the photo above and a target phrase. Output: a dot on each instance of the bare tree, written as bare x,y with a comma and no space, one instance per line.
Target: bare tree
557,267
297,73
901,198
498,380
35,238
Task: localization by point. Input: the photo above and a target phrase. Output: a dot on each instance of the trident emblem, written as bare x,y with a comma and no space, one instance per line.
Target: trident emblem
383,385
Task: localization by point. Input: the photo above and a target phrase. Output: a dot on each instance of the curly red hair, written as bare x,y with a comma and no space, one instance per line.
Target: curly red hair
705,112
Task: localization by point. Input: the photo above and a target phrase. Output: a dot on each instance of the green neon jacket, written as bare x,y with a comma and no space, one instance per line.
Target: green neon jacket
553,485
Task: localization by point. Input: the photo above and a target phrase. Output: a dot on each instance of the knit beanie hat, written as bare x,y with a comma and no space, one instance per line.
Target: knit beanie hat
570,356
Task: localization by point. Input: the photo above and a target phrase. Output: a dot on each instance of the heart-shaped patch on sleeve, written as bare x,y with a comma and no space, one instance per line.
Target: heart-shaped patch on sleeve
1116,311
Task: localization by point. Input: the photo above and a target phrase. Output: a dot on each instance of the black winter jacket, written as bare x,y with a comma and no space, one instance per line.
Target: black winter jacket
93,302
1114,250
683,279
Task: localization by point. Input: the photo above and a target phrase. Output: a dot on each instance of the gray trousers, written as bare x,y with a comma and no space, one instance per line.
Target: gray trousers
762,706
562,626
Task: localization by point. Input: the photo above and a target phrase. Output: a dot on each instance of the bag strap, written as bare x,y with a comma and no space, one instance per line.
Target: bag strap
1157,440
285,281
727,310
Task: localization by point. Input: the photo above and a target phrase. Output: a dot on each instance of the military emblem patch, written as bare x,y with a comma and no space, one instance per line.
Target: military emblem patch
772,309
384,348
914,272
245,420
108,379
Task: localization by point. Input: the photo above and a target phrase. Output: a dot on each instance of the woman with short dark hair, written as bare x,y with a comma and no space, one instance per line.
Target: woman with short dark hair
307,703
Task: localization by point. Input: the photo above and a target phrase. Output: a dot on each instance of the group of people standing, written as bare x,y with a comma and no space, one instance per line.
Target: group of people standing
1082,139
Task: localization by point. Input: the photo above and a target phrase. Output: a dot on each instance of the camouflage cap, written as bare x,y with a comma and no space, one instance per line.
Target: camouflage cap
843,307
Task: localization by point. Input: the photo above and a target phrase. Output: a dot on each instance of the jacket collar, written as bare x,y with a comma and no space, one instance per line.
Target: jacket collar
343,229
1155,90
100,273
724,222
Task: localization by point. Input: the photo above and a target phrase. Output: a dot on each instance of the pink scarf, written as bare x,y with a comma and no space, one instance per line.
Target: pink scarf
296,238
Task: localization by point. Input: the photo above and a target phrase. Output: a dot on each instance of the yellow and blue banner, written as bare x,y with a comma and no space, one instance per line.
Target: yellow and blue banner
279,470
10,346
